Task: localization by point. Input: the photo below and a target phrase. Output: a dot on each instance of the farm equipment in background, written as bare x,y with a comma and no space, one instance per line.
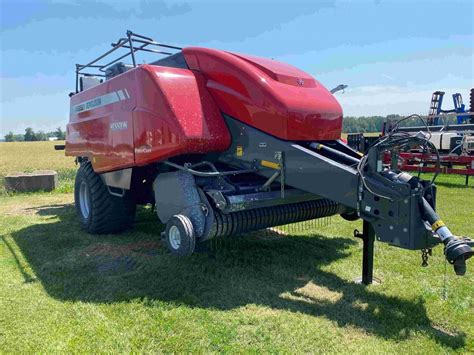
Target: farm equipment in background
225,143
454,142
459,108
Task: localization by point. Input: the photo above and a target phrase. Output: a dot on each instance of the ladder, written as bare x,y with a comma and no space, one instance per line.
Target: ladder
435,107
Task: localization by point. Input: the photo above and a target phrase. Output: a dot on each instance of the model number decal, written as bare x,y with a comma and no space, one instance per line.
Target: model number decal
119,126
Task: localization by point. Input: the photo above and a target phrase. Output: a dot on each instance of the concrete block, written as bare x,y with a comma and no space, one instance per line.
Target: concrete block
45,180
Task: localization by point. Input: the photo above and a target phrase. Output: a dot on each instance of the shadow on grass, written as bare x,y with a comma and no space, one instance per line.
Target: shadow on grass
272,271
457,185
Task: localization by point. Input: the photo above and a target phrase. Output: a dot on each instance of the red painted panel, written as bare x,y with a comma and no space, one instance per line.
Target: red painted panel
175,115
158,113
271,96
104,133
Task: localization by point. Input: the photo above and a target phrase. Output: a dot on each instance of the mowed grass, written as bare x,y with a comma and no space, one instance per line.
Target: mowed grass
29,156
64,290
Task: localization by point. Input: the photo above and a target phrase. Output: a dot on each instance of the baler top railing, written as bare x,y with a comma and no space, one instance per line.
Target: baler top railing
134,43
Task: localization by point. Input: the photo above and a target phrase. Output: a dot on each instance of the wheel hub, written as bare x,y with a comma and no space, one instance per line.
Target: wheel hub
174,237
84,199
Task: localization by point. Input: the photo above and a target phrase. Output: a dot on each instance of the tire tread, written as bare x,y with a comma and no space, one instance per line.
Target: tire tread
109,214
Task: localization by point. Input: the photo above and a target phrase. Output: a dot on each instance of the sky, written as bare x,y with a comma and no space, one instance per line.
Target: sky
391,54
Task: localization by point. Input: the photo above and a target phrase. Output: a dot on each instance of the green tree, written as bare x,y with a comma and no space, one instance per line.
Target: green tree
41,136
19,137
29,135
10,137
60,134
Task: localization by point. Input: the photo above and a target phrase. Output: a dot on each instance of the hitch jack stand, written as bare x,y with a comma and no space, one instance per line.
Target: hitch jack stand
368,238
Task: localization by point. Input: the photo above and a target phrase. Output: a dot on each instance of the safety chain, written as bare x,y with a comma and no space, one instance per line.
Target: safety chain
425,253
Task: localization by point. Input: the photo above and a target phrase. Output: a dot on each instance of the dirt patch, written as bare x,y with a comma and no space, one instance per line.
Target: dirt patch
313,293
140,248
114,259
445,329
18,210
36,204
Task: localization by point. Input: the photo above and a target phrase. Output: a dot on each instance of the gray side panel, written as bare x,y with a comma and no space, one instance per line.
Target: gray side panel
176,193
304,169
120,179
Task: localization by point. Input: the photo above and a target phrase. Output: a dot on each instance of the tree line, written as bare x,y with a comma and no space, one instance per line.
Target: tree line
31,136
375,123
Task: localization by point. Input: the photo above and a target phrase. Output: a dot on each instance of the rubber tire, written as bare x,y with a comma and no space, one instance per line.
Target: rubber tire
186,230
107,213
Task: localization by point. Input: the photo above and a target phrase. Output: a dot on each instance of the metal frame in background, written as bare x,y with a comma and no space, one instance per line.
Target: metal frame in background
134,42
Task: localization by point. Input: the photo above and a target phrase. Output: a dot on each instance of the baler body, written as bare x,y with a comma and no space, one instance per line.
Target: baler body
151,113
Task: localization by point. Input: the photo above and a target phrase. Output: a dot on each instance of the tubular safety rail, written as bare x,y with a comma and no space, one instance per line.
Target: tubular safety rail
134,43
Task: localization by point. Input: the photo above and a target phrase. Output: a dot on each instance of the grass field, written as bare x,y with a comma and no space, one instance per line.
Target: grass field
64,290
29,156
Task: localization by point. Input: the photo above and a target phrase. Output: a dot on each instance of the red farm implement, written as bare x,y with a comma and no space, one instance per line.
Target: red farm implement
225,143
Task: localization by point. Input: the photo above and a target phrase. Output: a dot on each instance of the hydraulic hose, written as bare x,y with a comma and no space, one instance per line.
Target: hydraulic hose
335,154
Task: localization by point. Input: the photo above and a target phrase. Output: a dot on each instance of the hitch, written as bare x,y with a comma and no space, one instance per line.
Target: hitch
408,229
456,250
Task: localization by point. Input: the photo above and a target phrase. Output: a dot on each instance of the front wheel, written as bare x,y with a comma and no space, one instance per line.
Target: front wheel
98,211
179,236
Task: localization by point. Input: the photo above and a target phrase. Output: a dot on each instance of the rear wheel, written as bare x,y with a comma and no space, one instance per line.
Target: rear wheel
179,236
98,211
